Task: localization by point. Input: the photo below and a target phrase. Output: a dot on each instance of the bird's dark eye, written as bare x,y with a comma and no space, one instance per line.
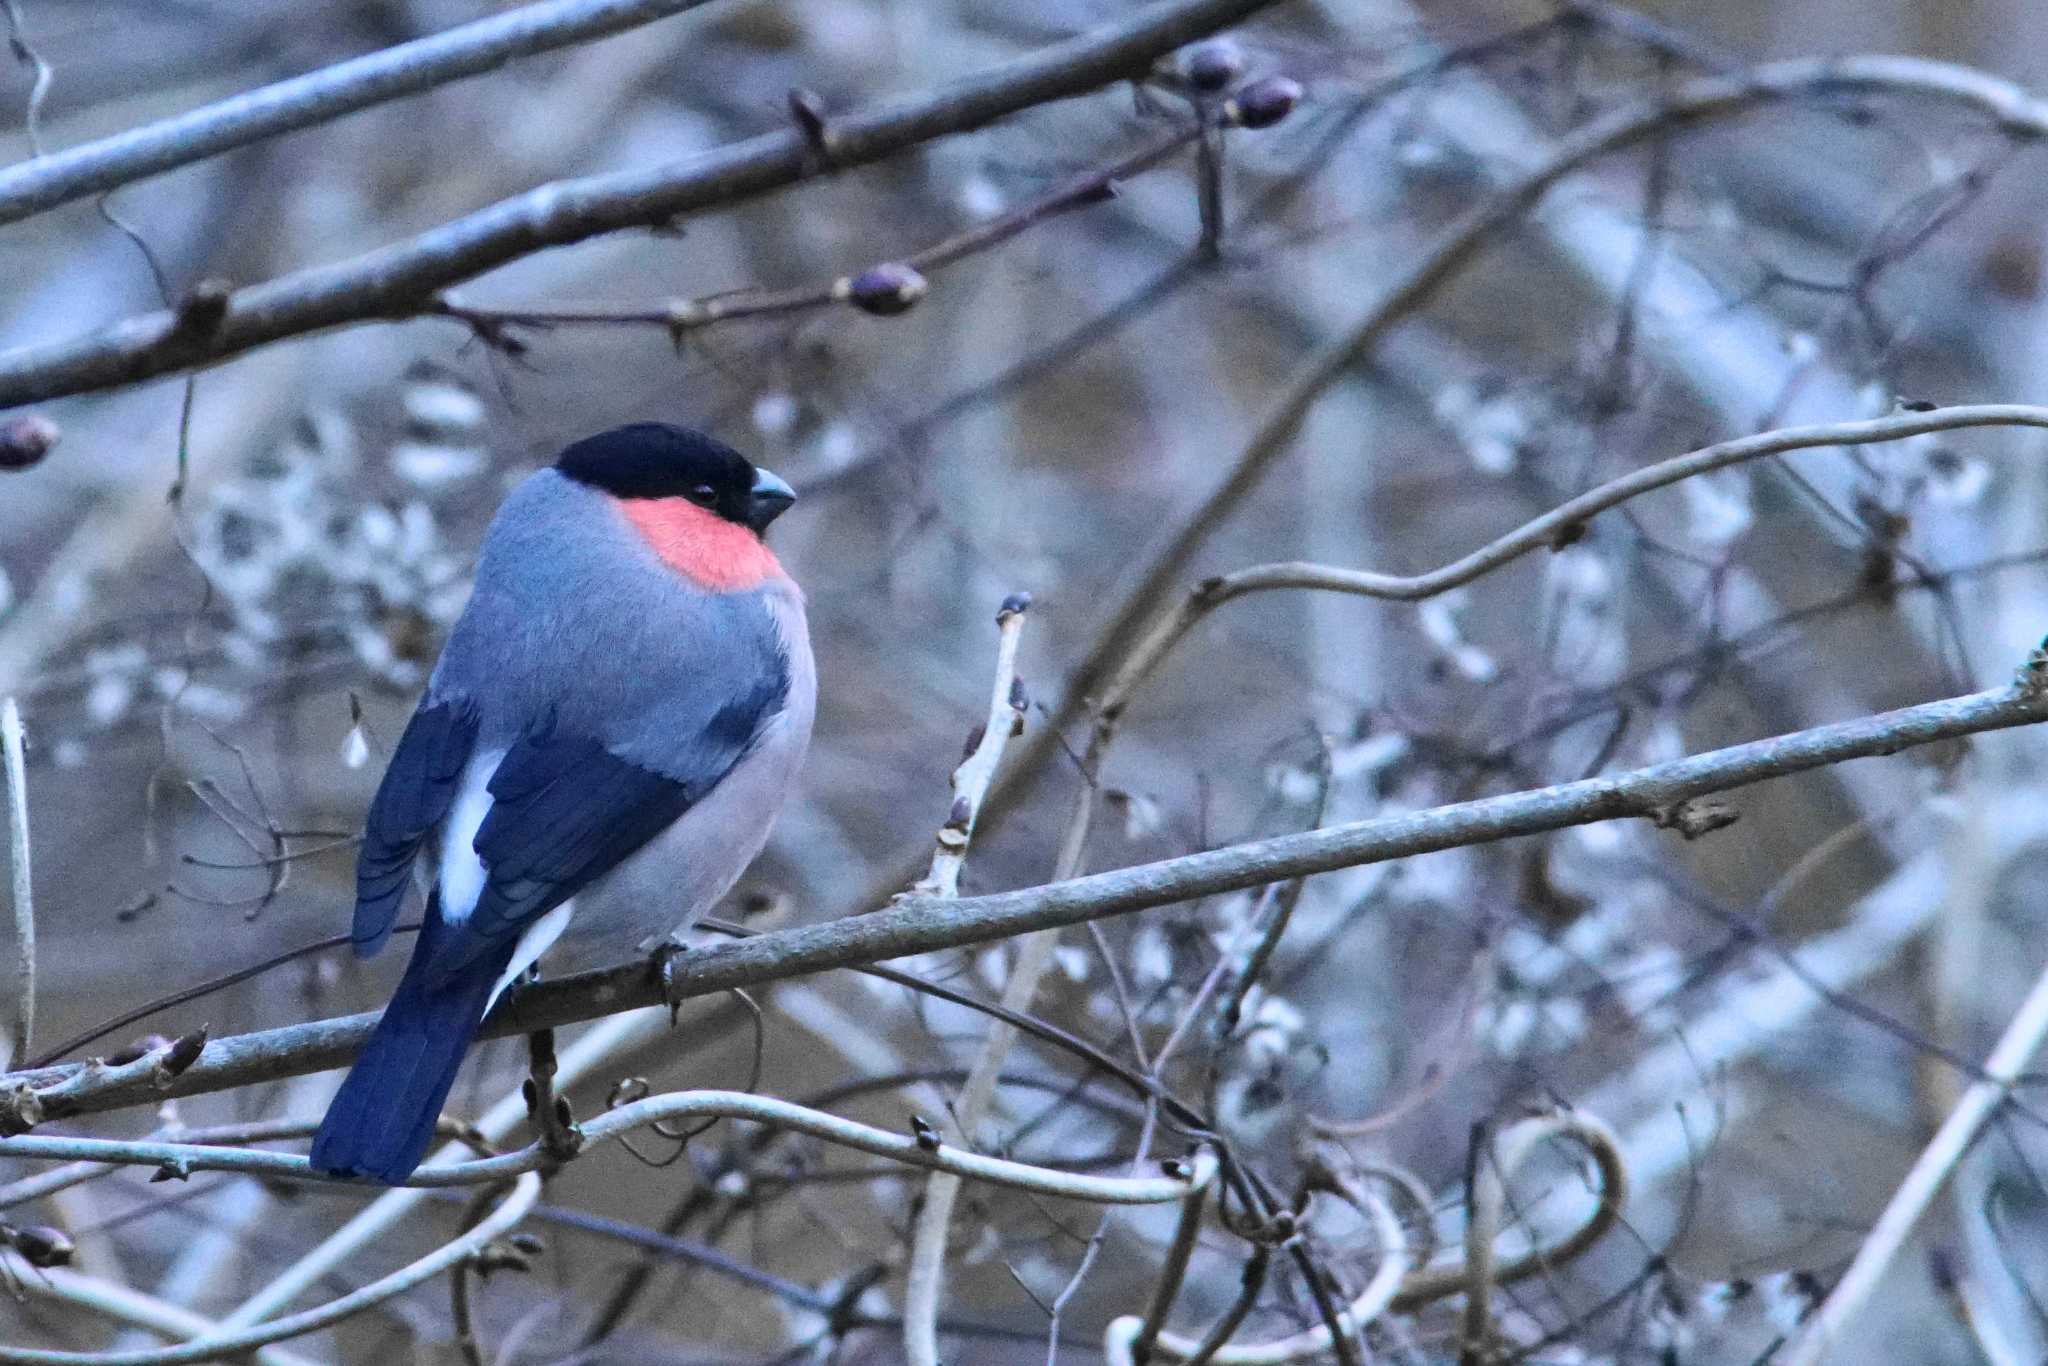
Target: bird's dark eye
703,495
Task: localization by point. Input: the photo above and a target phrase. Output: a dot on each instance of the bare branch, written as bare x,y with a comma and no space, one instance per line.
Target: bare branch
21,1025
971,779
911,1149
317,97
924,925
404,279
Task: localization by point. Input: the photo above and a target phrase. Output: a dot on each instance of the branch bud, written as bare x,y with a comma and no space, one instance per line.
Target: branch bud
185,1051
1263,103
25,440
1211,66
885,290
43,1247
204,306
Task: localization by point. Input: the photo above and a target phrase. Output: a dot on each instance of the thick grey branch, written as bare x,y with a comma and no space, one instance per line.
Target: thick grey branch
404,279
303,101
926,924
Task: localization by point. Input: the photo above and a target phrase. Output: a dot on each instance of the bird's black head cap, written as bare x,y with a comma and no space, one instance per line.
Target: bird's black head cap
657,460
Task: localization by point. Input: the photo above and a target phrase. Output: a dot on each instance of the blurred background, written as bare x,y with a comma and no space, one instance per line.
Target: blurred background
1771,1017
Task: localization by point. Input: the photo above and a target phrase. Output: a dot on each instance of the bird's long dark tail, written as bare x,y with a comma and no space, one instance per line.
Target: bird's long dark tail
382,1118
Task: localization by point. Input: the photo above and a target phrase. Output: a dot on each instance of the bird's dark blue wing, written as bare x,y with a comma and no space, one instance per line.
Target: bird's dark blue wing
418,788
566,809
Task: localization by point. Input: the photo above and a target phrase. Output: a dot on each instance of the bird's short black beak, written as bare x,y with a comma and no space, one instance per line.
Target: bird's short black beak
769,499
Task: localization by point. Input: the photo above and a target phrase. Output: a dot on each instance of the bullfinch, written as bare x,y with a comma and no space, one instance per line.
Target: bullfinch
607,737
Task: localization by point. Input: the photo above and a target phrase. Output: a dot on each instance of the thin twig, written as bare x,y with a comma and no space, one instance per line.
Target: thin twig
1443,1279
1495,1159
1124,1334
42,74
1065,1297
971,779
1172,1272
1558,526
1276,921
679,316
922,925
1482,1230
925,1275
1250,1286
22,1019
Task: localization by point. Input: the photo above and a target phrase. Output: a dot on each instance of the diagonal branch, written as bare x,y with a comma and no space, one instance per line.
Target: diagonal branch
317,97
404,280
918,925
1930,1172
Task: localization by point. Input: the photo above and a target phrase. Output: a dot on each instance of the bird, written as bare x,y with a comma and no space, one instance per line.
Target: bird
612,727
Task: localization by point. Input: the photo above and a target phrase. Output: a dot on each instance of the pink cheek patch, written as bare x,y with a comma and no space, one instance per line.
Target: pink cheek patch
704,548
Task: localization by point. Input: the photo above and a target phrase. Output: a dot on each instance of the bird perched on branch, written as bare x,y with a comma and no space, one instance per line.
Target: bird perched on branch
610,732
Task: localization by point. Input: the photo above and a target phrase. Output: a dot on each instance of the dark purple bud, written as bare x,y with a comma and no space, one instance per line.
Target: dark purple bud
185,1051
42,1246
808,109
204,305
1263,103
1211,66
1015,603
25,440
927,1137
962,811
886,290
